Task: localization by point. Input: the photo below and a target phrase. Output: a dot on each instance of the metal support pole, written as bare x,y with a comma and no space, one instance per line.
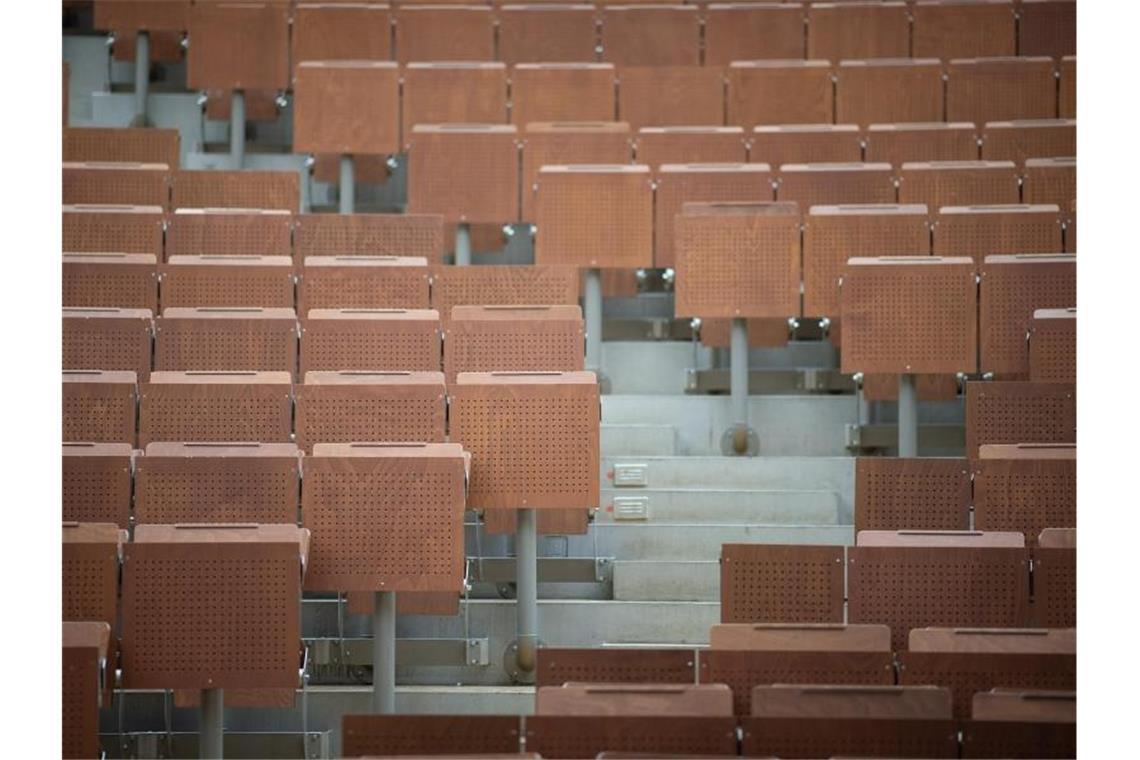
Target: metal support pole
347,185
237,128
210,729
384,652
463,244
738,371
593,314
142,76
908,417
526,563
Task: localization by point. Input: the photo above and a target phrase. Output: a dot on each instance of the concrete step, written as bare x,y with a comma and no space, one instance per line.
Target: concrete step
639,439
705,506
693,541
659,581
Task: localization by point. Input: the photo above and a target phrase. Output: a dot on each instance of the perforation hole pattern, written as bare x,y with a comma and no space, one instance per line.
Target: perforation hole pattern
817,188
135,187
959,187
965,674
507,286
581,736
340,419
80,706
418,734
675,188
995,92
542,148
107,344
984,235
897,148
1009,294
593,219
153,146
110,285
1055,588
358,288
1019,412
229,235
912,494
120,233
1053,352
559,666
781,584
205,286
216,491
516,346
371,235
790,737
174,414
1025,495
236,189
104,415
343,345
253,345
1008,739
97,489
90,582
464,177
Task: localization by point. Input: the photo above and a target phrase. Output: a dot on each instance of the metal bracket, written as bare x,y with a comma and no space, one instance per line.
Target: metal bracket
421,653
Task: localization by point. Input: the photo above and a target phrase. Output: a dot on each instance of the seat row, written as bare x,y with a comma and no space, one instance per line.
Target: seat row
663,34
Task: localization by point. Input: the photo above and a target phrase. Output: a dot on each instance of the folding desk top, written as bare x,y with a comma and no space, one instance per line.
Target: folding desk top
846,702
355,378
940,538
369,234
347,107
1058,538
221,377
146,145
465,172
238,46
1027,451
1025,705
627,699
94,533
995,640
87,635
559,665
800,637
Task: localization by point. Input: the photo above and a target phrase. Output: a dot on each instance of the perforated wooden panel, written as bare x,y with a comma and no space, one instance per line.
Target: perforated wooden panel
1025,495
914,494
346,407
85,653
533,438
347,107
1012,287
363,282
863,30
1000,89
562,92
229,232
980,231
260,105
897,144
641,699
993,738
559,665
866,91
206,606
751,31
857,737
690,145
835,183
1047,27
1015,412
119,280
737,260
531,33
466,173
805,143
116,183
444,33
786,584
385,516
558,522
588,736
370,735
216,407
502,285
514,338
833,234
135,145
1030,138
967,673
669,96
569,143
246,189
173,15
101,228
959,183
97,483
240,46
453,93
341,32
1050,180
651,36
408,603
91,571
419,235
779,92
371,340
107,339
226,339
1053,346
594,216
1055,581
221,281
963,29
909,587
677,184
1067,88
98,406
218,483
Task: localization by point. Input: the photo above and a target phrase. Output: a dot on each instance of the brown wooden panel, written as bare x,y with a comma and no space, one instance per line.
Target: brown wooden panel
805,144
363,282
559,665
669,96
1007,738
352,406
964,29
1029,138
379,735
206,606
753,31
835,184
562,92
846,701
866,92
567,736
779,92
533,438
643,699
90,570
959,183
1017,412
594,215
1050,180
119,144
97,483
107,339
226,339
786,584
1055,579
236,189
858,30
859,737
1047,27
229,232
557,522
1012,288
172,15
514,338
833,234
981,231
370,235
651,35
1000,89
602,142
927,141
239,46
118,280
737,259
118,183
216,407
1067,95
1053,346
222,281
912,494
532,33
86,652
466,173
260,105
370,340
1025,495
761,332
341,32
347,107
1030,706
690,145
677,184
503,285
99,406
444,33
218,483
